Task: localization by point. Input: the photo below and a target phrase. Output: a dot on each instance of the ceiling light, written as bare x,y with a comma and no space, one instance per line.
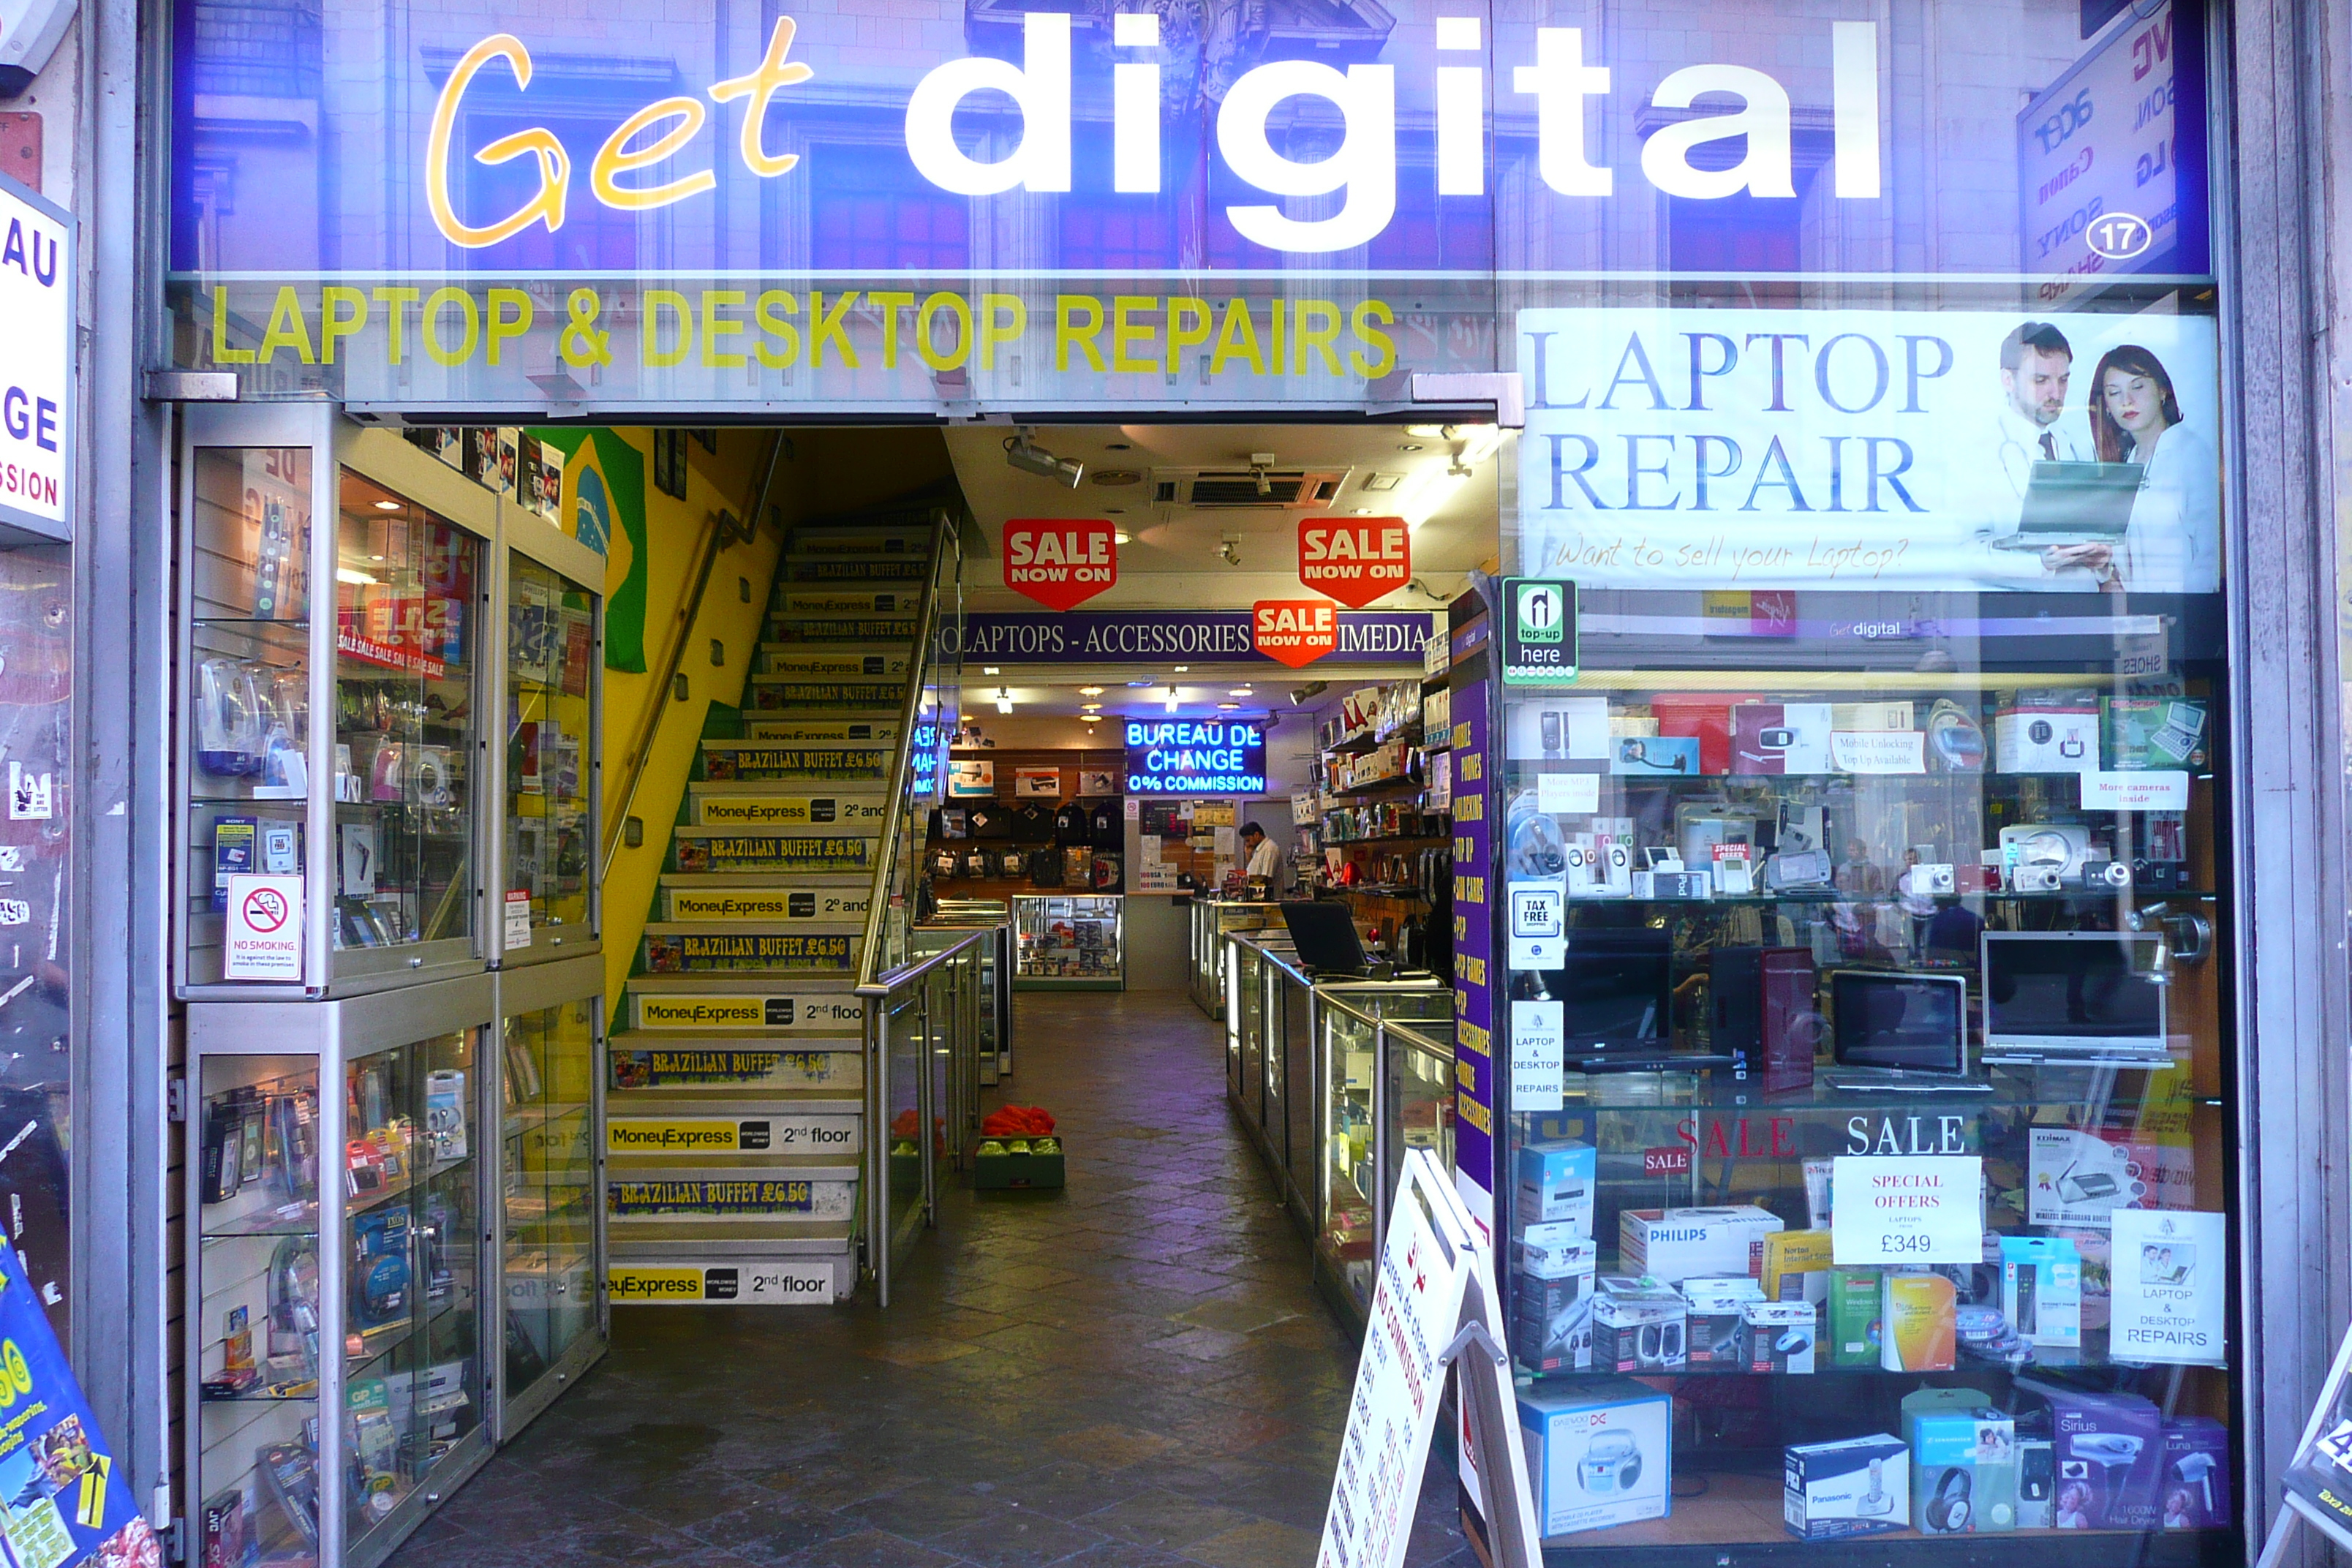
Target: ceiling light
1091,707
387,506
1024,453
1479,442
1090,691
1138,683
1089,718
990,669
1118,534
375,557
1230,553
1227,707
1239,691
1003,700
1183,668
1301,695
1117,447
1171,703
1426,432
1409,447
1429,492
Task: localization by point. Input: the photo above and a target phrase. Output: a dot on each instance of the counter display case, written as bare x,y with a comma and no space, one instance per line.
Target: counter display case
1069,942
1352,1180
548,1225
549,771
1867,1063
332,699
339,1324
1210,920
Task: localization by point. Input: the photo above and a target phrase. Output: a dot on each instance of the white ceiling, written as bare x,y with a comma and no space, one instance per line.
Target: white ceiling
1172,555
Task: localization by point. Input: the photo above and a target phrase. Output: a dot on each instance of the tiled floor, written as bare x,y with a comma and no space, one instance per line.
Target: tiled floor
1134,1373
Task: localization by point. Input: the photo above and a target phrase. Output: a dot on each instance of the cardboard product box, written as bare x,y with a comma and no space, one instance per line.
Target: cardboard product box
1857,1486
1556,1182
2059,736
1780,738
2195,1477
1793,1265
2077,1179
1779,1337
2041,1289
1640,1327
1713,1336
2037,1484
1599,1455
1963,1462
2110,1454
2144,733
1704,717
1849,1310
1865,717
1918,1323
1551,1284
1670,1245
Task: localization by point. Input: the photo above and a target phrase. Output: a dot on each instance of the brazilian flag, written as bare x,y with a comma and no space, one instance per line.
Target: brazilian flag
604,509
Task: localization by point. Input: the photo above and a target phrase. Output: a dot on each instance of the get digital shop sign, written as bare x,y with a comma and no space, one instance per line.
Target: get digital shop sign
1195,756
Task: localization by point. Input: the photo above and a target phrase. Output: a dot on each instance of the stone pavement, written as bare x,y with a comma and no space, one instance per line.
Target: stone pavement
1134,1374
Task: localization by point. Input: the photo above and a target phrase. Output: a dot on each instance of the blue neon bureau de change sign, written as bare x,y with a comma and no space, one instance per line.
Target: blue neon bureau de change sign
1195,756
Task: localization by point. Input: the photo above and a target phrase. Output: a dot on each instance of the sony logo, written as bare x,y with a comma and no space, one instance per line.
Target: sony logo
1684,157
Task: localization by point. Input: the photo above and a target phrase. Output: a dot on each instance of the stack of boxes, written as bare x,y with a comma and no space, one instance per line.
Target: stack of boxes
1554,1258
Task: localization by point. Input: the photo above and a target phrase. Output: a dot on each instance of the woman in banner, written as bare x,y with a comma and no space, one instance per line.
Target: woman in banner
2172,543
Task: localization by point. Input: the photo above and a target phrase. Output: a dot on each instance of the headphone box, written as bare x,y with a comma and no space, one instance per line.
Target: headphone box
1857,1486
1779,1336
1644,1328
1963,1462
1713,1333
1601,1454
2110,1452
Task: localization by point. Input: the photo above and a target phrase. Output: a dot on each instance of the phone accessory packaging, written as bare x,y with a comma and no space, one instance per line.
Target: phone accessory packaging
1712,1340
1779,1337
1670,1245
1780,738
1599,1455
2041,1289
1855,1486
1918,1323
1639,1327
1963,1462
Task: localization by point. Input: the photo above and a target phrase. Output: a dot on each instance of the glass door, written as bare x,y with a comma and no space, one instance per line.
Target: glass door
547,883
546,1195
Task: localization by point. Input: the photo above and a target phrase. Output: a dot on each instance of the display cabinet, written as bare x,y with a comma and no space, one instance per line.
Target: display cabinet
337,1322
1072,943
548,1226
1867,1038
550,661
952,918
1416,1109
1349,1104
331,692
1210,921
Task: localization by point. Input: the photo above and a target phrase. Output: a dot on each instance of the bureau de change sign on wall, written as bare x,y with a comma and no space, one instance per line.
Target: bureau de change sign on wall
36,368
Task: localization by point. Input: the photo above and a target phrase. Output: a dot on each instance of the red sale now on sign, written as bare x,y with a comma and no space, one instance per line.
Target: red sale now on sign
1060,561
1355,559
1296,632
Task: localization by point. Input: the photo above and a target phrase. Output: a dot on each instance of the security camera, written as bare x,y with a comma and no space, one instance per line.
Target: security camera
1024,453
1230,553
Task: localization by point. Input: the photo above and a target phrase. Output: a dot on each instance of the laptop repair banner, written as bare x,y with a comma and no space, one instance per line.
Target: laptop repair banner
1867,449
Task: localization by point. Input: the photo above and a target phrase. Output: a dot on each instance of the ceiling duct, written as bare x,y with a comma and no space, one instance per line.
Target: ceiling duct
1248,489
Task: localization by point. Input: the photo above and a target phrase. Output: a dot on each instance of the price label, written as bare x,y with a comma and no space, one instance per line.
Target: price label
1907,1209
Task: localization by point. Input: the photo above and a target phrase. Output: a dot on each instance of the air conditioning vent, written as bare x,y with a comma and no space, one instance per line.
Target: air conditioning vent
1229,490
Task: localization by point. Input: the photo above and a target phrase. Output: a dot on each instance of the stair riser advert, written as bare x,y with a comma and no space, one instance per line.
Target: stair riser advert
755,764
673,1136
771,852
767,693
633,1070
860,569
763,904
725,1284
837,602
722,952
787,811
793,1199
823,1015
819,665
814,732
843,628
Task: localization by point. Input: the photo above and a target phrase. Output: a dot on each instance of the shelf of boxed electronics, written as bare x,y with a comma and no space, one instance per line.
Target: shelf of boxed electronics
1378,822
1680,1225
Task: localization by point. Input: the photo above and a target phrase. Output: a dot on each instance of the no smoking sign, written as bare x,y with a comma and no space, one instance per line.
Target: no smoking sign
263,935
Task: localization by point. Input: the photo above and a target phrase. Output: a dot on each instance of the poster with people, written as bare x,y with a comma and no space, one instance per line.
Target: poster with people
1871,449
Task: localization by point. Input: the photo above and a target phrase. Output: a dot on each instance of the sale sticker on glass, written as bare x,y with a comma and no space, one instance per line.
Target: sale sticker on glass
1061,562
1926,1209
1355,559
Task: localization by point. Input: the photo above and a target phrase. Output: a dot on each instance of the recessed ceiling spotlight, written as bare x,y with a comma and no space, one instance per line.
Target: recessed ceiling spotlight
1090,691
990,669
1227,707
1091,707
1116,446
1409,447
1089,718
1182,668
387,506
1119,534
1239,691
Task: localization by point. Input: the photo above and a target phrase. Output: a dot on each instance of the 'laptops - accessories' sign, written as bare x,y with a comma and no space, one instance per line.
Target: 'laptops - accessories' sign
1871,449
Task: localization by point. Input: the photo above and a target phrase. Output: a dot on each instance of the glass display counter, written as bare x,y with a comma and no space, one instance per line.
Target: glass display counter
338,1323
1069,942
1349,1182
550,1223
1210,921
550,769
994,1051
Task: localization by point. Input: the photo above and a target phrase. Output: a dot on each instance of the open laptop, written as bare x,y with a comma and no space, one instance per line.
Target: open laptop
1324,937
2088,997
1896,1033
2075,503
1614,986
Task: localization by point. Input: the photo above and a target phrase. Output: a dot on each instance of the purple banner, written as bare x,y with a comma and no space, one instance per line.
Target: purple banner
1154,637
1474,950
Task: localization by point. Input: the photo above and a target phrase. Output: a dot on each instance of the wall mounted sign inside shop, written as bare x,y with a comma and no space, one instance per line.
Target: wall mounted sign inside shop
655,204
1155,636
1061,562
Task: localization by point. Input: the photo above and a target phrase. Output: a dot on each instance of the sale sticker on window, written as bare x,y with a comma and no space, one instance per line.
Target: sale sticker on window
1296,632
1061,562
1908,1208
1355,559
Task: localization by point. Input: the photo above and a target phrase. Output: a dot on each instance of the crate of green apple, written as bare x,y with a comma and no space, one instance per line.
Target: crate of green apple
1018,1148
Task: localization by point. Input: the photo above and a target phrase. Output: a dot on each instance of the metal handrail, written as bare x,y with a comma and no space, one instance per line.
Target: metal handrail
915,969
1404,1031
894,809
715,538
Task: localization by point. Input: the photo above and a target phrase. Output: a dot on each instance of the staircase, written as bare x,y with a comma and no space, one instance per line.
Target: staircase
735,1132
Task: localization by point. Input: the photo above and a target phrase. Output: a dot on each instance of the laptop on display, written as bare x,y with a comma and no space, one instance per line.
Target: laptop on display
2095,997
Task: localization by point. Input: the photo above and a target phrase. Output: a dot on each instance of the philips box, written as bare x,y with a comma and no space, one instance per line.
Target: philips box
1598,1455
2195,1473
1714,1333
1670,1245
2110,1453
2041,1289
1779,1336
1639,1327
1860,1485
1556,1182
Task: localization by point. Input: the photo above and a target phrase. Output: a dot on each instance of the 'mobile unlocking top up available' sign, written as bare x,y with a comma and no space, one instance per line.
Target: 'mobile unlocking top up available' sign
1195,756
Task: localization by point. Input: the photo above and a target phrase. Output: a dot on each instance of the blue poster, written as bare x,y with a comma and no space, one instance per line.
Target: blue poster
63,1500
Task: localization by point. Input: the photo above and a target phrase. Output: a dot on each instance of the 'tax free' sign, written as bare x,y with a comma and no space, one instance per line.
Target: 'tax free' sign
1296,632
1355,559
1061,562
